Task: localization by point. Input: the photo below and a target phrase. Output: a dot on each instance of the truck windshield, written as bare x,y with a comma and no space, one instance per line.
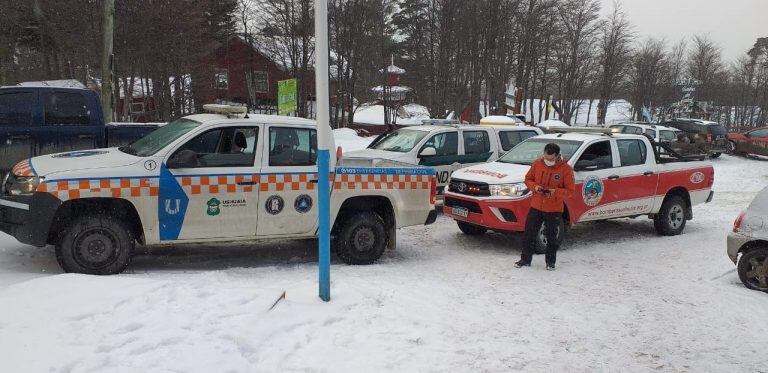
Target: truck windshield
401,141
159,138
532,149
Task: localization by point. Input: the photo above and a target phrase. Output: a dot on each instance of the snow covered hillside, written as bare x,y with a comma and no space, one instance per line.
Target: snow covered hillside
622,299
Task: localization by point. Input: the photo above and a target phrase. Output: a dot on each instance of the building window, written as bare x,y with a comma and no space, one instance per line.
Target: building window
137,107
221,79
260,81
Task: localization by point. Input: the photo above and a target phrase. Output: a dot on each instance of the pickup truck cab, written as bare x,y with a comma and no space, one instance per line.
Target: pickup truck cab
655,132
446,148
616,176
204,178
44,120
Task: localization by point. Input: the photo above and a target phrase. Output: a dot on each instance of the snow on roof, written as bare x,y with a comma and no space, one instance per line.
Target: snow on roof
393,89
549,123
408,115
392,69
499,119
64,83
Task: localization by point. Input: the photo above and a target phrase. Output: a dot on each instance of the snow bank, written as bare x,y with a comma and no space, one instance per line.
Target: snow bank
348,139
410,114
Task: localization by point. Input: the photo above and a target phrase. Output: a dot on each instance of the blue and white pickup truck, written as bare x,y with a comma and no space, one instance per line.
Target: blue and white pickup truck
44,120
208,177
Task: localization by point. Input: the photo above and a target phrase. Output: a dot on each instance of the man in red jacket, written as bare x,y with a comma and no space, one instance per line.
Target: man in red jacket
551,181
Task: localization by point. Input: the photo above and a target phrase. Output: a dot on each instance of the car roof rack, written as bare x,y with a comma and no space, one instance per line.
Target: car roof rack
439,122
584,130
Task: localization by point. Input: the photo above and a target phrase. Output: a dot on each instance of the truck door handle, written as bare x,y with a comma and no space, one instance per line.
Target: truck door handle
246,183
315,181
648,173
613,177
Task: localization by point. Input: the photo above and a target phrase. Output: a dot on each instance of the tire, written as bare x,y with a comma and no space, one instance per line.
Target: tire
471,229
362,239
541,238
96,244
715,155
731,149
753,269
670,221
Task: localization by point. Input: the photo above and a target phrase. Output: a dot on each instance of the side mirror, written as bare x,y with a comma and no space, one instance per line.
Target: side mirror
585,166
428,152
183,159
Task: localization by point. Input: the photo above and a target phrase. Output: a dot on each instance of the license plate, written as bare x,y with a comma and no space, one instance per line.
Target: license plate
460,211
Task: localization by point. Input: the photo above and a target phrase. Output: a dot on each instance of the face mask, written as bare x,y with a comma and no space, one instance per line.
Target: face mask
549,163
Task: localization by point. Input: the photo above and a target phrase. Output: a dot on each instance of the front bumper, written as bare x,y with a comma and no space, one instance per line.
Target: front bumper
28,218
735,242
495,214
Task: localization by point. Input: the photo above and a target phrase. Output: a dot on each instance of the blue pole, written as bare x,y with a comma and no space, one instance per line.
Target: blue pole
324,216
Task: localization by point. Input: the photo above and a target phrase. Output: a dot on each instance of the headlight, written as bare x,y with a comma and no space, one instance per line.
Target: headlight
508,190
22,185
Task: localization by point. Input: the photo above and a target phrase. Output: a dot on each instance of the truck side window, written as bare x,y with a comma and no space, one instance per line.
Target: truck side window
223,147
651,133
632,152
444,143
16,109
292,146
65,108
600,153
668,136
476,142
509,139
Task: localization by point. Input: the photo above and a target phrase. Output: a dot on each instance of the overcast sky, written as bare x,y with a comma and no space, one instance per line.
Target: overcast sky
733,24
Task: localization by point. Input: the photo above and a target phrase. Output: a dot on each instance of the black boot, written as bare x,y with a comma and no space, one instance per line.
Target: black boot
521,263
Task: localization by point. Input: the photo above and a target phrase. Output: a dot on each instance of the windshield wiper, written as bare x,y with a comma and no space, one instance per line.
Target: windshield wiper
128,150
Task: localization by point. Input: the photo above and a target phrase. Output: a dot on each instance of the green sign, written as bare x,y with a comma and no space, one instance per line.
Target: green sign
286,96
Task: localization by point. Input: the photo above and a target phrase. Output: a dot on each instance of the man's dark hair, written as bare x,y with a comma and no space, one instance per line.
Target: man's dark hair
552,148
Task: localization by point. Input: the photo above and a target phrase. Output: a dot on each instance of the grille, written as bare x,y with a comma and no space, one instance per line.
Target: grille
471,206
469,188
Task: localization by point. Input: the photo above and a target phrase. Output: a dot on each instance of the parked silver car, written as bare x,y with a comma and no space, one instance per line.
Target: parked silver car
748,243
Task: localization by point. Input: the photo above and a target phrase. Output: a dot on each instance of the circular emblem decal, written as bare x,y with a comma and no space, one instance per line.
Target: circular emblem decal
79,154
592,191
213,207
697,177
303,203
150,165
274,205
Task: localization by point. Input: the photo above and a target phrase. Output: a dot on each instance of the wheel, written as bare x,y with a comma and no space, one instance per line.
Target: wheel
753,269
96,245
471,229
362,239
670,221
715,155
541,238
731,149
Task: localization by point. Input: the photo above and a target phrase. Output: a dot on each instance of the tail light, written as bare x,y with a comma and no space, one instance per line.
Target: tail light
432,190
339,152
737,223
711,179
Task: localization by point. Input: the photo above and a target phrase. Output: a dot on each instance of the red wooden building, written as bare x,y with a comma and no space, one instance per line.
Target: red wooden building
243,74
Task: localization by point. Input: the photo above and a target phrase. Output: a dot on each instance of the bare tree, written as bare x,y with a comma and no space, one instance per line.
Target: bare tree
615,49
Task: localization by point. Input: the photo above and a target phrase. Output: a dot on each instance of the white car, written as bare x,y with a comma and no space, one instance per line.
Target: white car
656,132
205,178
748,243
446,148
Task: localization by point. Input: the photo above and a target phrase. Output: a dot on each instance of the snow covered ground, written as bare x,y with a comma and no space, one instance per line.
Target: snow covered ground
622,299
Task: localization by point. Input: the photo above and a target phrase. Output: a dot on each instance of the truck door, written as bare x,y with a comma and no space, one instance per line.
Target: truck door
597,182
477,147
16,122
639,180
68,123
288,186
209,186
756,142
446,158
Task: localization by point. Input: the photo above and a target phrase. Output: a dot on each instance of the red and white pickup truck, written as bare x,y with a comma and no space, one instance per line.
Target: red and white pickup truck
616,176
